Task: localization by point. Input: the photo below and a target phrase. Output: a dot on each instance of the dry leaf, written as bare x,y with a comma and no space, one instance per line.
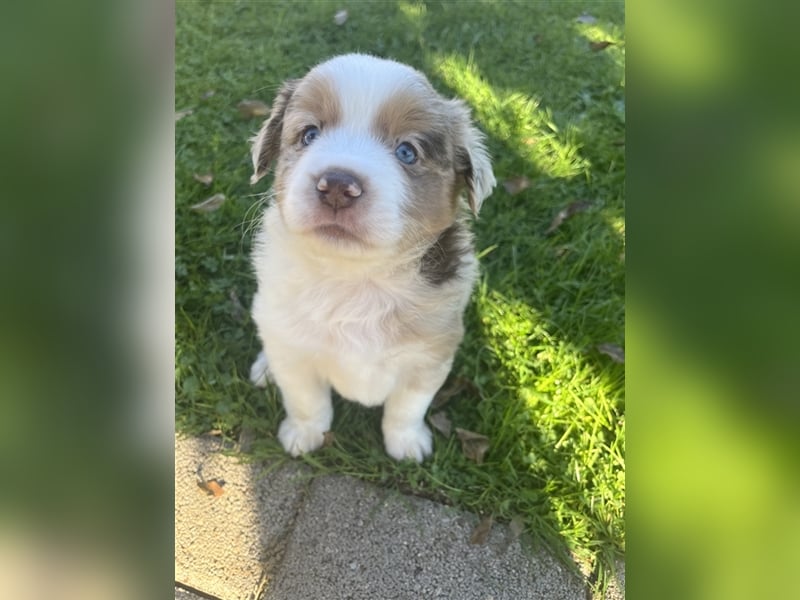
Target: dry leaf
205,179
516,184
441,423
328,438
457,385
565,213
216,432
212,487
561,250
473,445
586,19
616,353
482,531
597,46
183,113
517,527
246,438
209,204
340,18
250,109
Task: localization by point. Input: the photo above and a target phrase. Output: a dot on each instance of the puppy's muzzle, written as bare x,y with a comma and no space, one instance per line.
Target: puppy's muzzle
338,190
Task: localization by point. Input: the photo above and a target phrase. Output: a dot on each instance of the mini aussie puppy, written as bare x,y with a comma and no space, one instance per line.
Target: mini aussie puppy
364,261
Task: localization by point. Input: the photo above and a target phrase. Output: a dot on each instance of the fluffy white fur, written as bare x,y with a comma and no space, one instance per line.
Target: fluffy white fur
368,299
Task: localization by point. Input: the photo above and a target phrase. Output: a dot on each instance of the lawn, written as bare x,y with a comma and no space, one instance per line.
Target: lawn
540,370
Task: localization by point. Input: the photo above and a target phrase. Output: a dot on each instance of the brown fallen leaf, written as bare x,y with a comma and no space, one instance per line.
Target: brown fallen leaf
212,487
205,179
250,109
565,213
183,113
482,531
616,353
561,250
597,46
473,445
247,436
209,204
457,386
516,184
441,423
328,439
517,527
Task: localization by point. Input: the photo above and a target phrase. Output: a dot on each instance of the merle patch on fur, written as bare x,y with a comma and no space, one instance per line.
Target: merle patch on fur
272,133
441,262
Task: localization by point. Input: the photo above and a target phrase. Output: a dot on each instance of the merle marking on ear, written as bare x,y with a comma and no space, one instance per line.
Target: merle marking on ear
266,145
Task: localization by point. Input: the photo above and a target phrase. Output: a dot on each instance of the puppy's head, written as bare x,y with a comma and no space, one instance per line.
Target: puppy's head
369,157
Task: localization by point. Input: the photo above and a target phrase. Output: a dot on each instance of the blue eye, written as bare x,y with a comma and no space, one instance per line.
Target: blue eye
406,153
309,135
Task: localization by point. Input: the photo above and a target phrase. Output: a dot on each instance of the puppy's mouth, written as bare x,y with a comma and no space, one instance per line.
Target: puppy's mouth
337,234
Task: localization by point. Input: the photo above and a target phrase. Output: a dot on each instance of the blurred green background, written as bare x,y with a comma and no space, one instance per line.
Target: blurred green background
713,281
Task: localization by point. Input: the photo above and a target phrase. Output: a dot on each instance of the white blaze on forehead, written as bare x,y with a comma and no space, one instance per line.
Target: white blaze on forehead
363,83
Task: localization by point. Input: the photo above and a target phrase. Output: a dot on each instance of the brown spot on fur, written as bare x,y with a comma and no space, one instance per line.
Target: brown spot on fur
432,201
443,259
314,102
267,144
463,166
417,114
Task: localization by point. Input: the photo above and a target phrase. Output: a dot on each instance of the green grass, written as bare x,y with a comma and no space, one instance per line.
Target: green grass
553,109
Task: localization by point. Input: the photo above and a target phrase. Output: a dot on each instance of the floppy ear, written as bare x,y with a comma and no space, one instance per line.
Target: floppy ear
267,143
472,160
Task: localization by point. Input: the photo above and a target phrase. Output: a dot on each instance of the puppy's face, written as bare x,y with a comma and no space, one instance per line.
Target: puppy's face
369,156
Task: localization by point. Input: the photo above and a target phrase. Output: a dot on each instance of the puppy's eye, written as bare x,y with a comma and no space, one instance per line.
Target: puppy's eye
309,135
406,153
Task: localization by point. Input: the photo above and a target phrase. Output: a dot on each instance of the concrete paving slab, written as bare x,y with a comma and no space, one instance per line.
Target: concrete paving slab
274,535
229,546
182,594
352,540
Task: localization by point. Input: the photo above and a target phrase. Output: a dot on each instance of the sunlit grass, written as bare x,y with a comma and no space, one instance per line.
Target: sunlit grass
516,119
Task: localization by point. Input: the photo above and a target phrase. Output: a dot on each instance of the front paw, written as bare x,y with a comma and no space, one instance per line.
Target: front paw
299,437
415,442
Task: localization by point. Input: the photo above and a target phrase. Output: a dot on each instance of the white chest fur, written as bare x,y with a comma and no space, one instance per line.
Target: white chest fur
355,331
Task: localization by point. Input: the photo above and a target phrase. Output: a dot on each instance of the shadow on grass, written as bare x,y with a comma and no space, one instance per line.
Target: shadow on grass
579,263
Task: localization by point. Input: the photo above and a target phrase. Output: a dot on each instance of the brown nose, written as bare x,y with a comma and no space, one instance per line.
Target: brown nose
338,190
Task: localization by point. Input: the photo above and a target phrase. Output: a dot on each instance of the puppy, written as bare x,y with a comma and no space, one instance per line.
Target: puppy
363,260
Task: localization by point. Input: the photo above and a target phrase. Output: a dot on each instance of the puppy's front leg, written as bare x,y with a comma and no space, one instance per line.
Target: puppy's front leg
405,434
309,411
